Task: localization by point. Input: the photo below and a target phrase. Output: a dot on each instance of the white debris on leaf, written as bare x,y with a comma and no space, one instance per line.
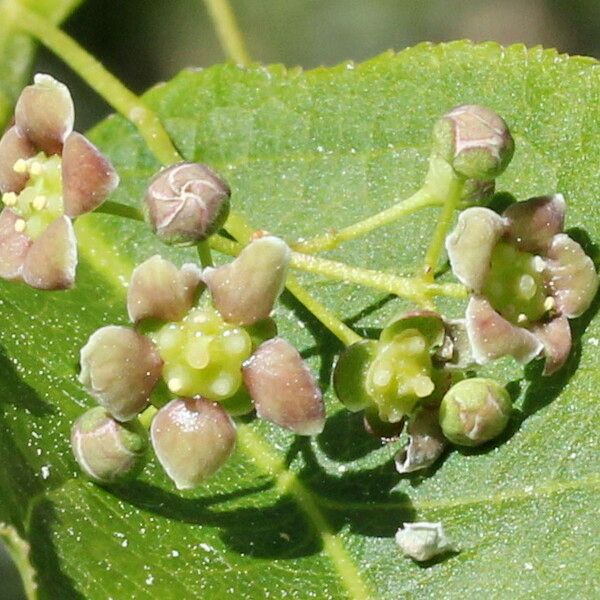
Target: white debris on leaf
423,541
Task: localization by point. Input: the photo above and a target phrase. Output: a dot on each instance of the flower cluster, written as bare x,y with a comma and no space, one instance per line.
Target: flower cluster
212,357
49,175
526,278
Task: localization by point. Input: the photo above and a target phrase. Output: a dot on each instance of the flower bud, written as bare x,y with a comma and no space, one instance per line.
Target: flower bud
108,451
283,389
245,290
475,141
475,411
423,541
192,438
186,203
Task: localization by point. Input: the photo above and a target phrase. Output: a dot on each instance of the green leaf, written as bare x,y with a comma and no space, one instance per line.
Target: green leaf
17,49
316,518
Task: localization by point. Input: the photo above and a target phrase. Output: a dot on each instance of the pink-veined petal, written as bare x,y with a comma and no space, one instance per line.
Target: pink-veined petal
14,246
492,336
471,243
52,259
13,146
88,176
556,337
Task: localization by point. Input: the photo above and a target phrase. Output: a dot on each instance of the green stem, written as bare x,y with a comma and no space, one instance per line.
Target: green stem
327,241
228,31
346,335
412,288
204,254
108,207
101,80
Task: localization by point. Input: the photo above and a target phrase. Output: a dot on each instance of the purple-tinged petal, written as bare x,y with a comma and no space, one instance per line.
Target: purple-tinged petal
573,278
283,389
186,203
532,224
245,290
51,261
120,367
14,246
426,442
13,146
556,337
192,439
88,176
492,336
471,243
45,113
160,290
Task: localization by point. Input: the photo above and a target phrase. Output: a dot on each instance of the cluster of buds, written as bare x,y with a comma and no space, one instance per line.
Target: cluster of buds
214,355
49,175
527,279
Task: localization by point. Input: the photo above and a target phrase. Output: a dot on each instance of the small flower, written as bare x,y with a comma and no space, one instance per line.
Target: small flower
528,278
404,368
475,141
186,203
475,411
49,175
108,451
423,541
203,356
192,438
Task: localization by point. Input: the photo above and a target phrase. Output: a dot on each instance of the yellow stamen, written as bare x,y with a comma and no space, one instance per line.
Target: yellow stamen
522,318
20,225
175,384
20,166
35,168
549,303
9,199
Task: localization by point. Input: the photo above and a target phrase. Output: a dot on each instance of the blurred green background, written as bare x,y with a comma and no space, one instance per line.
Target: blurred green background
146,41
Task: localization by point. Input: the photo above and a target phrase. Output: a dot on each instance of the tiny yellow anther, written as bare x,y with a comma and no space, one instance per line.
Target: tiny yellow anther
549,303
20,166
9,199
36,168
522,318
39,202
175,384
20,225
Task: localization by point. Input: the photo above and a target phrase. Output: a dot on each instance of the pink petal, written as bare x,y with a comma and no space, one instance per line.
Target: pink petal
471,243
45,113
573,277
245,290
192,439
532,224
159,290
283,389
14,246
88,176
120,367
492,336
556,337
13,146
50,263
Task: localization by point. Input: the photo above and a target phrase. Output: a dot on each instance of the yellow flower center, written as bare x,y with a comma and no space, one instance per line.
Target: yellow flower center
41,200
202,354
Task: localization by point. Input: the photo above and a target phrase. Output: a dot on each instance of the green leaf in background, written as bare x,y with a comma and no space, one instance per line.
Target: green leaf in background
16,50
299,518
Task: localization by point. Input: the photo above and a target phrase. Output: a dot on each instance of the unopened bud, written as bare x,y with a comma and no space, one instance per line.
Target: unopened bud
192,439
475,411
108,451
475,141
186,203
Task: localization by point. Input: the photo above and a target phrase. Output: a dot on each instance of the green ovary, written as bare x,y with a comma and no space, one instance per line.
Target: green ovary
515,285
41,200
400,375
203,355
